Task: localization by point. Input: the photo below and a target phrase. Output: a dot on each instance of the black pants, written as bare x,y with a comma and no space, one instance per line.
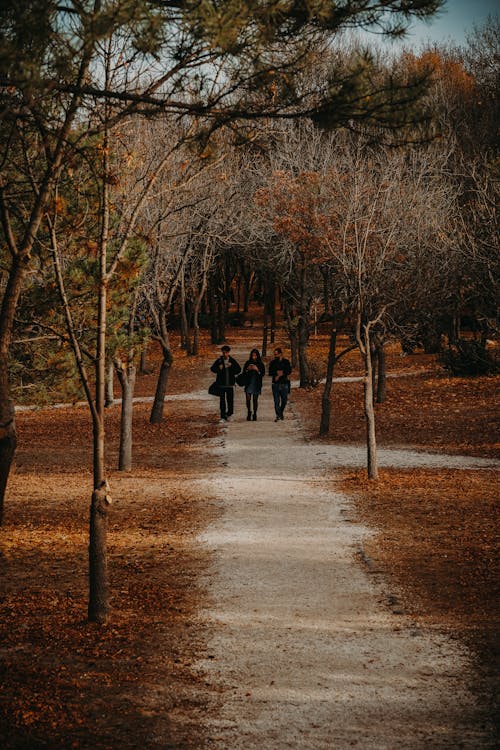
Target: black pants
226,402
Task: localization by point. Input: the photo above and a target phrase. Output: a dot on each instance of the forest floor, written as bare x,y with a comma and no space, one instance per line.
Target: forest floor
137,682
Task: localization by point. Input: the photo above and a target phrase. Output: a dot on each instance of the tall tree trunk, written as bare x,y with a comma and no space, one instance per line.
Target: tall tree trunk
8,435
221,319
195,348
98,560
324,426
247,276
371,442
185,344
110,397
272,311
126,373
382,372
265,330
238,294
292,335
303,340
212,307
374,356
161,386
143,367
8,442
98,565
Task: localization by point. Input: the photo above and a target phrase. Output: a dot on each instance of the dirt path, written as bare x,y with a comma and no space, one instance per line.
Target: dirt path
304,650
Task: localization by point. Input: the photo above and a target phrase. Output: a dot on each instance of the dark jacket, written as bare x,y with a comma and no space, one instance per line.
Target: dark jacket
248,373
280,364
226,375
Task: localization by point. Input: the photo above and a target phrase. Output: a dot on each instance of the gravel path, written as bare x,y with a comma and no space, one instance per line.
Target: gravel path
306,649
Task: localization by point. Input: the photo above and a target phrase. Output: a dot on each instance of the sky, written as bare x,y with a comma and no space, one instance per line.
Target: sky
453,22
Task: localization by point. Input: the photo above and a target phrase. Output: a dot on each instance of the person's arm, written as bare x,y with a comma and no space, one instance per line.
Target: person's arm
215,366
236,366
262,369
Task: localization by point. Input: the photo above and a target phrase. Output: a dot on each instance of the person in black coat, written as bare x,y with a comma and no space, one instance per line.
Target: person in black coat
279,370
253,371
226,368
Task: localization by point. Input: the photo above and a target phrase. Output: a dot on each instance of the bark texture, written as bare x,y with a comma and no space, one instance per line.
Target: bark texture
98,564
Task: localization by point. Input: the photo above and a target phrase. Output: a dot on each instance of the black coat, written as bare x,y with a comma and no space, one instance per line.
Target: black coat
221,373
280,364
248,374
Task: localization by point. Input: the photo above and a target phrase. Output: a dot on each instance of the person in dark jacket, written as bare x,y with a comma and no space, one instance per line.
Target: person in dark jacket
279,370
254,371
226,368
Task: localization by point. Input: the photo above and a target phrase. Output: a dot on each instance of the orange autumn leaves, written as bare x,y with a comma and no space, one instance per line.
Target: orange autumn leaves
298,207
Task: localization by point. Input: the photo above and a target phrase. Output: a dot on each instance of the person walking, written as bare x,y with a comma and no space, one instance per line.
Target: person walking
226,368
279,370
253,371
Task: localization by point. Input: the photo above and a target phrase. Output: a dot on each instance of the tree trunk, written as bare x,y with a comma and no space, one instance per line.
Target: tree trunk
143,367
8,434
246,291
292,335
213,317
272,310
265,329
196,326
126,376
374,356
221,319
8,442
303,340
324,426
98,563
185,344
382,373
371,442
109,385
161,386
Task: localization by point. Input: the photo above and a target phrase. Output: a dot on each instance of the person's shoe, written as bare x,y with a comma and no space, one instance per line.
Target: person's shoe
249,417
277,419
281,416
254,417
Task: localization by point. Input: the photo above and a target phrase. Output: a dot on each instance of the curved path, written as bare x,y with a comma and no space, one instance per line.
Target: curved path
305,651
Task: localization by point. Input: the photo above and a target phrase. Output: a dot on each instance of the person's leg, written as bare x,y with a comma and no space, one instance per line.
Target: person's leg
222,403
284,399
255,399
276,397
230,401
249,413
